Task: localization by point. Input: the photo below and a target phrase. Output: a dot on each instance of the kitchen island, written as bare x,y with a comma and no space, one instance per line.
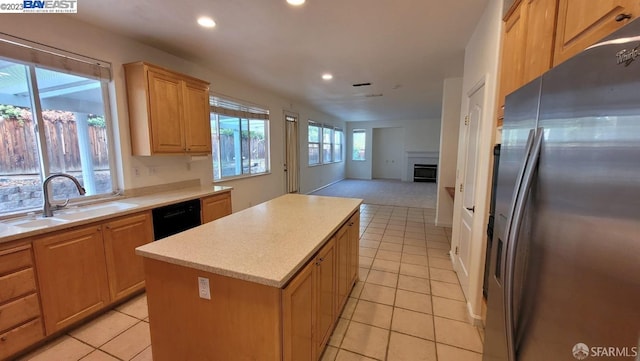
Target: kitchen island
266,283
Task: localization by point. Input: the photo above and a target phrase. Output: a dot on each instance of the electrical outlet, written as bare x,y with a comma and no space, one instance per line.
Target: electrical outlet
203,288
136,171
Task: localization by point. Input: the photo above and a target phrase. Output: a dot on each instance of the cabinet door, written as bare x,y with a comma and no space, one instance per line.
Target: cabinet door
583,22
541,21
326,289
354,248
124,267
343,277
197,121
215,207
512,64
165,106
298,301
72,275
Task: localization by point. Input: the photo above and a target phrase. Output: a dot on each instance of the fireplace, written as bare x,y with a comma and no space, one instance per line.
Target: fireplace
425,172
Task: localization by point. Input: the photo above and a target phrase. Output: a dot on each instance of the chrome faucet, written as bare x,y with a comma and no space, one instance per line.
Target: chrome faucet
47,210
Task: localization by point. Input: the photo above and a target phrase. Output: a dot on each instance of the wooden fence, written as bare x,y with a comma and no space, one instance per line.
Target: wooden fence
19,152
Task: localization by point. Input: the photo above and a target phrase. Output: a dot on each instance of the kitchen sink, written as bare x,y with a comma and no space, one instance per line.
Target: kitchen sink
78,213
36,222
7,229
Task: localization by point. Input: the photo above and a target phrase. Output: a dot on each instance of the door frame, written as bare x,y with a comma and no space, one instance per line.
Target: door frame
287,148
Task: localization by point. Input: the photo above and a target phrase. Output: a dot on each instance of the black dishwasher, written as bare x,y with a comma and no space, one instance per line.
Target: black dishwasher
175,218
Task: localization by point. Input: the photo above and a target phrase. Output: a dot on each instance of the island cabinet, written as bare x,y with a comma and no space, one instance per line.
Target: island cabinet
87,268
215,207
267,283
581,23
168,111
20,318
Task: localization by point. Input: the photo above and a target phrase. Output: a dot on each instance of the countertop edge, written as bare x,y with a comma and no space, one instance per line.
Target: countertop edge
281,284
172,197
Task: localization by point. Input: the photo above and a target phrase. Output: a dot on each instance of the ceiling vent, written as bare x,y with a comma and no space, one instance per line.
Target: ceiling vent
361,84
373,95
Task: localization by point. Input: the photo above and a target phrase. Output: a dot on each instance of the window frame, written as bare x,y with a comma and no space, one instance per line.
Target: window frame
35,56
353,147
321,143
242,112
318,143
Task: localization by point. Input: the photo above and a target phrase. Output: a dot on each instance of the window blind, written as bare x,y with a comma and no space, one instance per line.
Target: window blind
56,59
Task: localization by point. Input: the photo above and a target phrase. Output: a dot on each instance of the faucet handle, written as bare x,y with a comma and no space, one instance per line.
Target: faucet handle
62,205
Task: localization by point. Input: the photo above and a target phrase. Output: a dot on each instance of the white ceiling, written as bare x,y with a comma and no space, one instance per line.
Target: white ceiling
405,48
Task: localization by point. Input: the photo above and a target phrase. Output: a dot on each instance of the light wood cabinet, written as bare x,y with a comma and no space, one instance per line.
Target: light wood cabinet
215,207
20,319
314,299
527,45
343,276
125,269
513,49
168,111
582,22
72,275
540,31
325,293
84,270
299,316
354,248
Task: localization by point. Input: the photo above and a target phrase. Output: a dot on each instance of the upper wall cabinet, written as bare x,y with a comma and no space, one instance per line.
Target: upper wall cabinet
527,45
583,22
168,111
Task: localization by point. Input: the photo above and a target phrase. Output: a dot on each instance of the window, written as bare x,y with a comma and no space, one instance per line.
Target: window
314,143
327,144
337,145
53,118
239,138
327,138
359,144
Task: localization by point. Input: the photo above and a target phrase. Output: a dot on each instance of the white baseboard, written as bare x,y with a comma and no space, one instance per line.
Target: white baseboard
325,186
474,319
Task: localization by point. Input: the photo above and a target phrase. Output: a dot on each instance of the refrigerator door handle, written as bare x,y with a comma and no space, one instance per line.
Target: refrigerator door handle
512,241
514,197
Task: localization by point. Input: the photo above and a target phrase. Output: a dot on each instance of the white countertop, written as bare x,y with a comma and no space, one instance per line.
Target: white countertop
266,244
92,214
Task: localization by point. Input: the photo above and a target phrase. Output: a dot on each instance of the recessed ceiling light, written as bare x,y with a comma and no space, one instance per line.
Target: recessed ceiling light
296,2
327,76
206,22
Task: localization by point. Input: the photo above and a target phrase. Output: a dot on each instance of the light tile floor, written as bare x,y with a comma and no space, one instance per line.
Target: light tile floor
407,306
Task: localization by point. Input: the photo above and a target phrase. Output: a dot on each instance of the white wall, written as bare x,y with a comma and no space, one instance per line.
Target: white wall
449,128
387,158
480,62
66,33
315,177
419,136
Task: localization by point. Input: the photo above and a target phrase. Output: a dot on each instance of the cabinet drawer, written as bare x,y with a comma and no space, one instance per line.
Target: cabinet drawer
19,311
20,337
15,260
17,284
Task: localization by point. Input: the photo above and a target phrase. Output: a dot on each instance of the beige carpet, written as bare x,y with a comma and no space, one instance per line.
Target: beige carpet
384,192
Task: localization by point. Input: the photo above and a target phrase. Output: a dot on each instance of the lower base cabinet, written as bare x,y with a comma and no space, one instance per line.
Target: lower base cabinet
83,270
20,318
314,299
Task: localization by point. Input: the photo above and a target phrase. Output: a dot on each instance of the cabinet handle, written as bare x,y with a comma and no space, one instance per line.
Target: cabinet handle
319,261
622,17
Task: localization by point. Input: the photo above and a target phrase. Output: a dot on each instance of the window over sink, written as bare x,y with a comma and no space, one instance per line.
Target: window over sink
54,117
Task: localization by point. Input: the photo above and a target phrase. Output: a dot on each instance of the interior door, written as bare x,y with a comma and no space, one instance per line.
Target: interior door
387,148
472,124
291,150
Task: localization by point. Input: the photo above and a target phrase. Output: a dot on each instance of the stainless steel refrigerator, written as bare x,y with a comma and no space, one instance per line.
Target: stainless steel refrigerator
564,281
